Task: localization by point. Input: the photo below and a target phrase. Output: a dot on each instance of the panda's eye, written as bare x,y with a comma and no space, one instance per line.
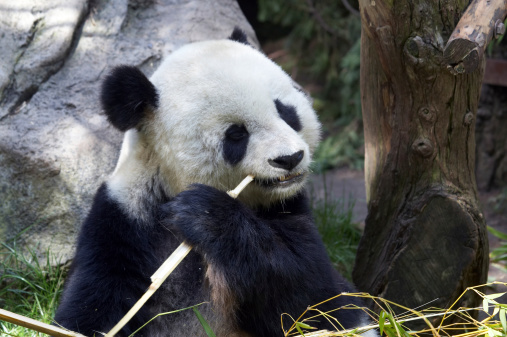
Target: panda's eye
236,132
289,115
235,143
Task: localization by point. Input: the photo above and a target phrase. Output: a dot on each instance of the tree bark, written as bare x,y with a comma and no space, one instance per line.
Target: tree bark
425,237
479,24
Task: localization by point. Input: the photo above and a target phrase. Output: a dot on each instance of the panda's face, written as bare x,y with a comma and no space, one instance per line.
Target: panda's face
226,111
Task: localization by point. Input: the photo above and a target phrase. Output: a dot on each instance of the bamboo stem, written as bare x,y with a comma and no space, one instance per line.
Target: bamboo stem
32,324
172,262
167,268
235,192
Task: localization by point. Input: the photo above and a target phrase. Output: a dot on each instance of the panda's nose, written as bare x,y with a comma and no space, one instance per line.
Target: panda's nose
287,162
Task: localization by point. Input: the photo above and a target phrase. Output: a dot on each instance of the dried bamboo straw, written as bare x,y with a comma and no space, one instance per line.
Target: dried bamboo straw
32,324
166,269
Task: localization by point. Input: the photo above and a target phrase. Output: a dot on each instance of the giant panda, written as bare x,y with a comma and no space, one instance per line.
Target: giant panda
212,113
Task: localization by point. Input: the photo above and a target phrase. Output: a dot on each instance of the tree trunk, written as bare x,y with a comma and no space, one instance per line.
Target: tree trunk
425,237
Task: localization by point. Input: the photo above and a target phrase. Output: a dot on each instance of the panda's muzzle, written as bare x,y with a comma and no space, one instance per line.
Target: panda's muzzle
288,162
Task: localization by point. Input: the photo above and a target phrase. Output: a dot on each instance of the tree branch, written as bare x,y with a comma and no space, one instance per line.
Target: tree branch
465,49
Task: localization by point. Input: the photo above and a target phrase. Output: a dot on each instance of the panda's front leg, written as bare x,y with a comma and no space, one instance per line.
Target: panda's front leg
221,228
259,265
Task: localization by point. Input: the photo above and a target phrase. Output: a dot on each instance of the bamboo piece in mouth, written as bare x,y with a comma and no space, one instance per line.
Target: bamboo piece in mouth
167,268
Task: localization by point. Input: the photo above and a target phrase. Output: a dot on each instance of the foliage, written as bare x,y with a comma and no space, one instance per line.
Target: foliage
323,39
321,33
344,148
204,323
498,256
333,217
438,322
29,287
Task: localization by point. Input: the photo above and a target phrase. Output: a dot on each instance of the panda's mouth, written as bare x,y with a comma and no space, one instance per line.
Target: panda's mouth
281,181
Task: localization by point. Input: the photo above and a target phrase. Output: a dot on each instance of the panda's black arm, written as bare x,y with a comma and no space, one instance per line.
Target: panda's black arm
260,264
111,269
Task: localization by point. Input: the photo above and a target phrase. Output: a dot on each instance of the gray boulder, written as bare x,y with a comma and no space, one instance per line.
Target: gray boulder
56,146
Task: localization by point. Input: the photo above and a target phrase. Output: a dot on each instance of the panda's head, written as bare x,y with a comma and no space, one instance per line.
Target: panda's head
213,113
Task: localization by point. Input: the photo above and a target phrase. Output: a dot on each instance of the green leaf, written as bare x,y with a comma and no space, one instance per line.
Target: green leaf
381,321
299,330
496,310
503,320
390,331
300,325
493,333
304,325
485,305
493,296
204,324
497,233
397,328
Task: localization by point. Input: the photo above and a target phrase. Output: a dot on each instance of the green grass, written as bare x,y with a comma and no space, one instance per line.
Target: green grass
29,286
341,149
333,217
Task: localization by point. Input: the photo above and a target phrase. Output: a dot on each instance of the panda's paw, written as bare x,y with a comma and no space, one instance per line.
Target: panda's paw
201,214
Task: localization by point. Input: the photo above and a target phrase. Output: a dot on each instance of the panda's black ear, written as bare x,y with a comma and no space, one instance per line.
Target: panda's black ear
239,36
126,95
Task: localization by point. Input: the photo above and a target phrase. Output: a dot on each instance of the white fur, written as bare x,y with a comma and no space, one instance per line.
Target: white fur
204,88
368,333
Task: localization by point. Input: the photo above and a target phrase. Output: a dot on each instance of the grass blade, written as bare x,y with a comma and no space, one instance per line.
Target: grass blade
203,322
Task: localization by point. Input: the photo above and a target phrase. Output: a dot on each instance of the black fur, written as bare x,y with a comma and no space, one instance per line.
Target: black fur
289,115
235,144
239,36
126,95
250,9
273,260
114,260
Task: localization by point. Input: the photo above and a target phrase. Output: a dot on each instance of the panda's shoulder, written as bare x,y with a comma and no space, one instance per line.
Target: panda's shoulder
109,225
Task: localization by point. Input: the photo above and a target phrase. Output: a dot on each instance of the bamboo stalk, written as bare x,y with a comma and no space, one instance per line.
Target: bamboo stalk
32,324
167,268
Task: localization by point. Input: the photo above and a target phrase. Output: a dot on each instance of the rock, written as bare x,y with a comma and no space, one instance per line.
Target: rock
38,37
56,146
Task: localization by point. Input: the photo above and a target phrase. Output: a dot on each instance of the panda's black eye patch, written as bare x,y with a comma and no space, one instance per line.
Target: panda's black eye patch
235,143
289,115
236,132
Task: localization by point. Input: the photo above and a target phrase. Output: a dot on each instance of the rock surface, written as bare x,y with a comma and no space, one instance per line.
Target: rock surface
56,146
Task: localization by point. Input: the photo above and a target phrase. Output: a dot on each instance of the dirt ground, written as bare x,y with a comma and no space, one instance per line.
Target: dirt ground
348,184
